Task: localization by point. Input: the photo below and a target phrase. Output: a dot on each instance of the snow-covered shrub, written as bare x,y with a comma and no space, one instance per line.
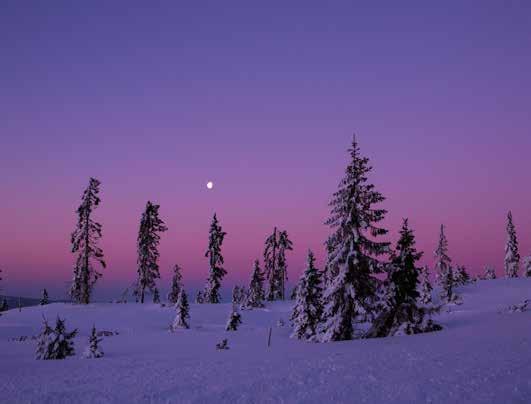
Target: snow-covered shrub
55,343
183,312
489,273
235,319
93,349
224,344
518,308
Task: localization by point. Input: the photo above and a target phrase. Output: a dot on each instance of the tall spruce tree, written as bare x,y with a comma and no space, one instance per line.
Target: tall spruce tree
255,295
284,244
176,285
216,270
84,241
148,252
308,309
442,260
353,219
511,261
270,264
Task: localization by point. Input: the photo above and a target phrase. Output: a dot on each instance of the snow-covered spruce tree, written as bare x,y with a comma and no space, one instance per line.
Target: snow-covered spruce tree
176,285
490,273
255,295
235,319
183,312
44,299
353,219
216,270
442,260
511,261
426,289
93,348
284,244
308,309
270,264
84,241
527,266
148,252
401,314
461,276
55,343
156,296
447,283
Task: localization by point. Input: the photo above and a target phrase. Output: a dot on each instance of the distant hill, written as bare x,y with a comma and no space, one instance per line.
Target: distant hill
13,301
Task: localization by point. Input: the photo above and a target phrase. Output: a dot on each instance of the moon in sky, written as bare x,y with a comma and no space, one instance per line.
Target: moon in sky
210,185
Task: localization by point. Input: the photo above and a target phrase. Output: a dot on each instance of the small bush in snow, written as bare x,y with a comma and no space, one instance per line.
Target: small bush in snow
489,273
44,299
93,349
518,308
183,312
224,344
235,319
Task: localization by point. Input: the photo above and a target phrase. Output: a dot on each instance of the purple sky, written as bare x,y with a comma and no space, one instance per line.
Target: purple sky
262,100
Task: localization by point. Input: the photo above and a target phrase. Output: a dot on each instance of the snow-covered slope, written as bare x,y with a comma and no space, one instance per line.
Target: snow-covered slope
482,356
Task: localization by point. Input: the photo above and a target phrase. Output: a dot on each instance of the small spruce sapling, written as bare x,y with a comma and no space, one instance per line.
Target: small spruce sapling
183,312
93,349
511,261
235,319
44,299
490,273
156,296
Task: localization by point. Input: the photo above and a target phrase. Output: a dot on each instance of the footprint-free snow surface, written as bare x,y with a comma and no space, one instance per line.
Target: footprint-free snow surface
483,355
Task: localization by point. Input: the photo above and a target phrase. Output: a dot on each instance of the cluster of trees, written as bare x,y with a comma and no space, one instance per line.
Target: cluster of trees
58,343
357,286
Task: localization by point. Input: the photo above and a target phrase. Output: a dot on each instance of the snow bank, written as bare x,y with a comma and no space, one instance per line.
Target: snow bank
481,356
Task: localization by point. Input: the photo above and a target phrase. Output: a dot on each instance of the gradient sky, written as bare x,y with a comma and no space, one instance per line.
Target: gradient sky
262,98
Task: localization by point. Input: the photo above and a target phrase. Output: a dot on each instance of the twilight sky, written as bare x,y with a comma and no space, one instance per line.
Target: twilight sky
262,98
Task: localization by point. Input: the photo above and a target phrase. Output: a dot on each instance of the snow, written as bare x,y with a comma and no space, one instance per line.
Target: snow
483,355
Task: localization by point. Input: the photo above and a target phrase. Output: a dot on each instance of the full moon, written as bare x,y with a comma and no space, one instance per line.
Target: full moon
210,184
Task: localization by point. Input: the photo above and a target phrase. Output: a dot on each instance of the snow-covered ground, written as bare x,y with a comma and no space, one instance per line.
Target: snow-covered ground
481,356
